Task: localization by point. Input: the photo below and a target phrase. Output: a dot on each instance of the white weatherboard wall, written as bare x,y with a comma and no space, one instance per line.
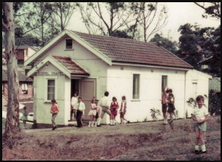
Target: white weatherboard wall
88,61
29,53
120,82
42,106
202,87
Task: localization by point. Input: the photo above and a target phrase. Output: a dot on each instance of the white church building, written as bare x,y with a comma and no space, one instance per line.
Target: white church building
93,64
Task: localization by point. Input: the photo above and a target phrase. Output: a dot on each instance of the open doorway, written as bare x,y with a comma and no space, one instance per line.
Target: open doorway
74,89
74,86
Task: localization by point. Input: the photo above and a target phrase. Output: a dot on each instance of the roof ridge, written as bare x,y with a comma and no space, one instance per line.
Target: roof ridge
112,37
130,50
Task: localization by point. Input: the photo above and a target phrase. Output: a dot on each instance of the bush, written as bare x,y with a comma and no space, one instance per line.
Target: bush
214,103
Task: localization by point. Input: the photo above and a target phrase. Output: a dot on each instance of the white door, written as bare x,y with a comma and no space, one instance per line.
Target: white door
194,90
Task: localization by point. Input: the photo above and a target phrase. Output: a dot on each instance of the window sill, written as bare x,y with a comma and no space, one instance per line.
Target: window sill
47,102
135,100
69,49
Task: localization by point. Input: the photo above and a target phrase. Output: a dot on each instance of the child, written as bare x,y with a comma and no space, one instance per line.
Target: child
164,104
113,107
200,116
97,113
74,101
54,110
92,112
24,116
171,106
123,110
80,109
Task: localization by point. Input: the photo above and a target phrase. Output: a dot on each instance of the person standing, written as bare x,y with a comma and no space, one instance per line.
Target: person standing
123,110
98,111
80,109
54,111
200,116
74,101
113,107
24,116
171,106
164,104
92,112
104,103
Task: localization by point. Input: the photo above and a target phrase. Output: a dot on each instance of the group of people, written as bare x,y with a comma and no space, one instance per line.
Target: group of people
168,101
96,113
199,116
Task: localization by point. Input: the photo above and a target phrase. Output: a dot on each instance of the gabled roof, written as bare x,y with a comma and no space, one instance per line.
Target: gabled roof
73,68
119,50
131,51
26,46
64,64
21,77
35,48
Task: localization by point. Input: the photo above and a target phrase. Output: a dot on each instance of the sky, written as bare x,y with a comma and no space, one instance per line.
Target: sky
179,13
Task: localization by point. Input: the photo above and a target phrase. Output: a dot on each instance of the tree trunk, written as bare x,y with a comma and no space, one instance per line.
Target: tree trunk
12,119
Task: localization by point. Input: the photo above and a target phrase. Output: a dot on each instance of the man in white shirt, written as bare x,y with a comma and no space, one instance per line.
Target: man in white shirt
104,103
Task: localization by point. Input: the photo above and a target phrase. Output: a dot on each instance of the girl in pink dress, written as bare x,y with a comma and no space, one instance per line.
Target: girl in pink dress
113,107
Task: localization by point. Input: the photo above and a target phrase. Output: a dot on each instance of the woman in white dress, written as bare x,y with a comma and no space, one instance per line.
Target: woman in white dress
92,112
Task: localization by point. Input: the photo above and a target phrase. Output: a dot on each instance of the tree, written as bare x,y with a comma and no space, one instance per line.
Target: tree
152,20
212,9
200,44
42,20
107,17
62,12
212,51
32,18
121,34
132,17
12,119
166,43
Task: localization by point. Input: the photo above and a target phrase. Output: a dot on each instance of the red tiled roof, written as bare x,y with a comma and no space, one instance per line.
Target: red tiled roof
130,51
70,65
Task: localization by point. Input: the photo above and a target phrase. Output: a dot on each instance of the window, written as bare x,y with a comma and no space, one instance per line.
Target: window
68,43
24,88
136,86
20,62
164,82
51,89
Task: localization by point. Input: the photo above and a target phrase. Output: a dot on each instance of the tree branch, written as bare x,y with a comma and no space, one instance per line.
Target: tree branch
213,12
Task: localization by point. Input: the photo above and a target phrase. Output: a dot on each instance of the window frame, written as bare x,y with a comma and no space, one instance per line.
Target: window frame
162,83
24,88
69,47
46,88
133,90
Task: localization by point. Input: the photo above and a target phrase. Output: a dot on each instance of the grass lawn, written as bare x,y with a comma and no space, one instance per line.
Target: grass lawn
133,141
